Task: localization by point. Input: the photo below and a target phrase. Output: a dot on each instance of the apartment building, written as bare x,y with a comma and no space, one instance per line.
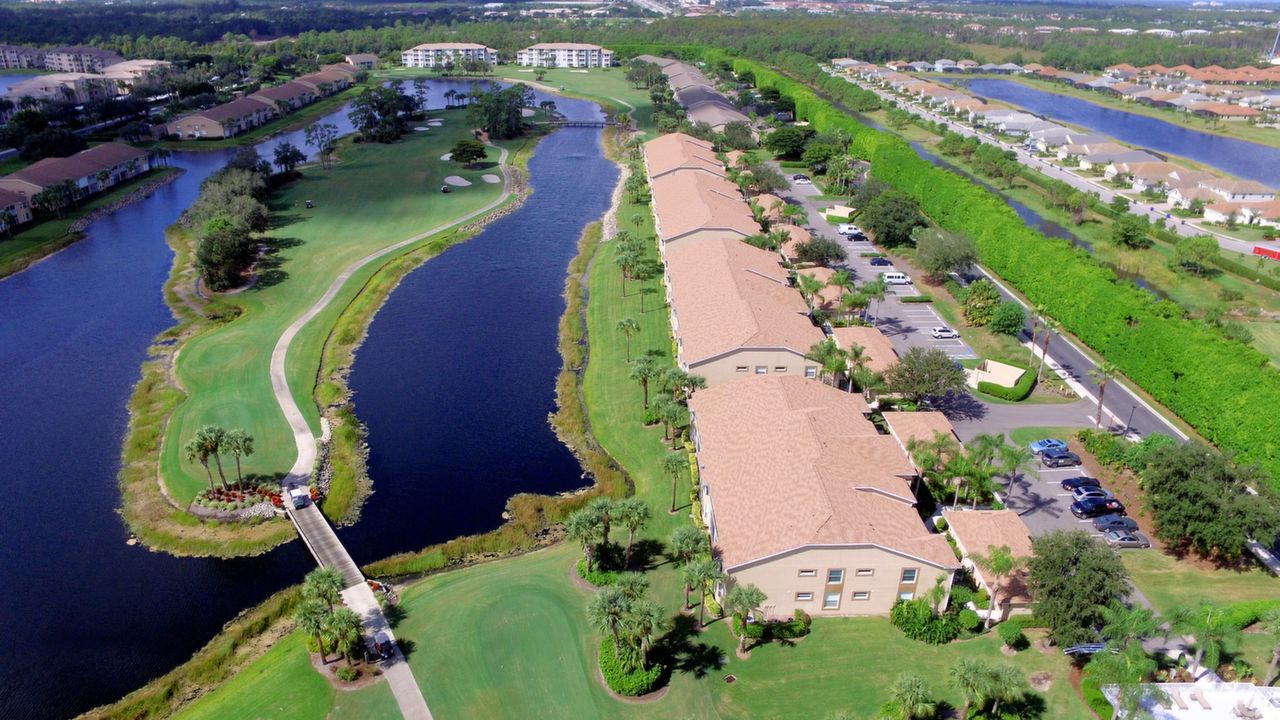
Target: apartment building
429,55
94,170
565,55
79,59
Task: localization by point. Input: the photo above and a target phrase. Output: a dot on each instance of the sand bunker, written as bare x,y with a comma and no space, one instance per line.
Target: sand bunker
526,112
491,179
435,123
446,157
421,129
456,181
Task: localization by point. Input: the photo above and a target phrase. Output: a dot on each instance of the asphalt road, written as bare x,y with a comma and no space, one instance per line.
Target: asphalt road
1153,212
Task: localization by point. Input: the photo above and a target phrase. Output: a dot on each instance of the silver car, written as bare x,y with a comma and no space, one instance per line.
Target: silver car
1126,539
1091,491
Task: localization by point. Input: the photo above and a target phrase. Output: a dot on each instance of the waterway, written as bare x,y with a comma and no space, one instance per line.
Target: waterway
92,617
1241,158
9,79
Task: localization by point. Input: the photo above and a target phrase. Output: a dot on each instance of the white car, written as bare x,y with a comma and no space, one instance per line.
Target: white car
801,180
943,333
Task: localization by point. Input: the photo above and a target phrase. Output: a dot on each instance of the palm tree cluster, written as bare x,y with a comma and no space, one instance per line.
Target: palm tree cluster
333,626
631,620
835,362
592,524
691,551
971,467
676,386
633,258
982,683
212,441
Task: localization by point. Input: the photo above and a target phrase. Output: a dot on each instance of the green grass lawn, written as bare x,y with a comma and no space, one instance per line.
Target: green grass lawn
608,86
292,121
378,195
41,238
1168,583
1266,337
282,685
1026,435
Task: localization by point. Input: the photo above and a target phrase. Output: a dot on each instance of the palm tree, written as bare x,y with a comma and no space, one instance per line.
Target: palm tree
607,611
603,508
1012,459
911,696
1000,564
830,358
932,456
632,585
1037,313
688,542
984,446
1271,624
742,600
345,631
1050,327
875,290
313,619
809,287
869,381
664,409
1006,684
643,624
644,369
632,513
627,260
973,679
1102,374
1124,626
197,451
583,526
213,440
628,327
675,415
673,465
324,585
852,303
238,443
1128,671
1210,627
701,574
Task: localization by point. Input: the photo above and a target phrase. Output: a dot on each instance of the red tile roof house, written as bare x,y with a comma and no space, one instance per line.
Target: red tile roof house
975,533
806,500
222,121
1224,111
287,97
94,170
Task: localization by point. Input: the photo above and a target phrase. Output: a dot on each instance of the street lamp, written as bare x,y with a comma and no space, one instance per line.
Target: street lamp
1128,426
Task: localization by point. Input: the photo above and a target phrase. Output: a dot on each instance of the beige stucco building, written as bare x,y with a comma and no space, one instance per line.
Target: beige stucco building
573,55
447,53
804,498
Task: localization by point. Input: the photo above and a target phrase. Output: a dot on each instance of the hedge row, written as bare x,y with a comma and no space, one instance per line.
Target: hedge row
1243,614
622,680
1018,392
1221,387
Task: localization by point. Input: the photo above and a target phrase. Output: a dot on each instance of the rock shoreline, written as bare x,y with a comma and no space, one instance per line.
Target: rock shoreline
139,194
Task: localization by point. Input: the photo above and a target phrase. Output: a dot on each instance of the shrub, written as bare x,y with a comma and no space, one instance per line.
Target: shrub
916,299
712,605
1095,699
916,620
969,620
961,596
347,673
1011,635
768,630
940,524
1017,393
1008,318
1243,614
1110,450
982,599
596,577
623,680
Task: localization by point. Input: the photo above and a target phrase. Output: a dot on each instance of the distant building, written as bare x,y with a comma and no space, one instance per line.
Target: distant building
76,87
364,61
93,170
79,59
223,121
571,55
14,206
449,53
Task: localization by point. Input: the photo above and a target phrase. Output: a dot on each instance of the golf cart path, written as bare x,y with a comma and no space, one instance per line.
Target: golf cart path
316,532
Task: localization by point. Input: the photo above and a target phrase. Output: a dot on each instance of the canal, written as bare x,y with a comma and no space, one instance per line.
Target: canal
1243,159
455,383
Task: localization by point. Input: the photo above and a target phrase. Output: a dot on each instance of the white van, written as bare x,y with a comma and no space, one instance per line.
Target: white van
895,278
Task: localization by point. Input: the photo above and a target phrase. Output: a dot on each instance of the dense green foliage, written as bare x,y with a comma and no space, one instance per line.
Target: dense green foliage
1018,392
1201,502
940,253
916,620
925,372
621,678
1008,318
1116,452
1213,383
1011,635
227,213
499,110
1073,577
380,114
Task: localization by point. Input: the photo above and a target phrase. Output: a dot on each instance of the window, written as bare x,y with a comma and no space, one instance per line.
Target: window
741,368
811,372
908,595
762,370
808,573
804,597
831,601
779,368
865,572
862,595
835,577
908,576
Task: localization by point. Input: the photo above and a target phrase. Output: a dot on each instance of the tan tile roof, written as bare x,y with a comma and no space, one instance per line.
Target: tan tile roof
234,110
1224,109
9,199
829,296
447,46
796,236
792,462
976,531
50,171
564,46
878,349
907,426
769,206
1147,170
1236,186
727,295
1094,148
287,91
677,151
688,201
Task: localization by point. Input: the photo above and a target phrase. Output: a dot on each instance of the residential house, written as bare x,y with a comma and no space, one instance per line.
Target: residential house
734,312
796,236
827,299
945,65
130,72
1142,176
1075,150
15,206
1105,159
673,152
222,121
967,65
449,53
332,79
76,87
364,61
923,426
286,98
977,532
94,170
1224,111
804,499
1205,699
877,349
573,55
1239,190
15,57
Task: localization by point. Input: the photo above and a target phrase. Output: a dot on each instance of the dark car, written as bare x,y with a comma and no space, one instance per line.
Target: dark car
1059,458
1072,483
1114,522
881,261
1093,507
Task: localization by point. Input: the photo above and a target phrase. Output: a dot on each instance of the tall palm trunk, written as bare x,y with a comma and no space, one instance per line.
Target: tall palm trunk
644,385
1102,389
239,475
687,590
993,606
1044,352
674,482
205,463
323,653
222,476
626,556
586,550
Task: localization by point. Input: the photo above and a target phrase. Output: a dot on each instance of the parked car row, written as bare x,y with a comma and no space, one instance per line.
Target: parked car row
1091,501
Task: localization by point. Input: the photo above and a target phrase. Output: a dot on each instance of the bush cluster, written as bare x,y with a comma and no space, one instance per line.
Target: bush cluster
797,627
917,621
624,681
969,620
1019,391
1011,635
1213,383
1116,452
1243,614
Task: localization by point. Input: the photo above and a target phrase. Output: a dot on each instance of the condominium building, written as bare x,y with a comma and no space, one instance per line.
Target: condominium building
79,59
450,53
571,55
